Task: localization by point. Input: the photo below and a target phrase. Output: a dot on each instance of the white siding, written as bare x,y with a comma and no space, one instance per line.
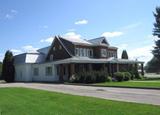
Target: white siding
24,72
42,72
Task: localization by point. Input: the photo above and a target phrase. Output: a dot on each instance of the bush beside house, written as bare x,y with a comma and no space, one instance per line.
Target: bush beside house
101,76
90,77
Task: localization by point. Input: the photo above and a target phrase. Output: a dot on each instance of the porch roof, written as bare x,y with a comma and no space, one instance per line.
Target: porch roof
95,60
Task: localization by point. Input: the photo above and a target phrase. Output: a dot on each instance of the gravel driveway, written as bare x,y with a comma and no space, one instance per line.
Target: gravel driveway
149,96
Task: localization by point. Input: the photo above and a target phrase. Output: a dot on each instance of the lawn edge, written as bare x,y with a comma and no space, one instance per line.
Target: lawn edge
93,85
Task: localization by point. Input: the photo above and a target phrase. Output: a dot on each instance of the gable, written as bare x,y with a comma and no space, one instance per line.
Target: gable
57,51
104,41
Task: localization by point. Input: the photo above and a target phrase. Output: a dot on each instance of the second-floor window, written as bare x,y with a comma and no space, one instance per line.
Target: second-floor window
77,52
111,54
84,52
103,53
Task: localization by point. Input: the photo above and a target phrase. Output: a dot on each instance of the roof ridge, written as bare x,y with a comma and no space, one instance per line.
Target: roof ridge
97,38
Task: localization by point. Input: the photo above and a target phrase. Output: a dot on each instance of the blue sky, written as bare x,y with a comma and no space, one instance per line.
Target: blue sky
30,24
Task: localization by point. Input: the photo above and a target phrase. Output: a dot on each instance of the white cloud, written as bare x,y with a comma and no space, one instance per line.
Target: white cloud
123,46
72,35
29,48
112,34
71,30
80,22
8,16
152,37
131,26
15,51
45,26
48,40
14,11
11,14
141,53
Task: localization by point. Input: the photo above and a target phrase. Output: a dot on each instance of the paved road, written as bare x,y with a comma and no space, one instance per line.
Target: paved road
120,94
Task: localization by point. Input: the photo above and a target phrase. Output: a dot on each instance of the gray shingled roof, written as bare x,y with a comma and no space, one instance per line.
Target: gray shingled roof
77,41
94,60
98,41
29,58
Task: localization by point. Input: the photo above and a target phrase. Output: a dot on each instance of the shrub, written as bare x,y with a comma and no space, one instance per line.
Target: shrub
108,79
137,76
101,76
132,75
127,76
119,76
89,77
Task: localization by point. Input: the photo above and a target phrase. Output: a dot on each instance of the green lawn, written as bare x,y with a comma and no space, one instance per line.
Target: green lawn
21,101
147,83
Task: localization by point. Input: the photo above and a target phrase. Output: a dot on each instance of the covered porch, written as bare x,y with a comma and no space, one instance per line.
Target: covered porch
68,67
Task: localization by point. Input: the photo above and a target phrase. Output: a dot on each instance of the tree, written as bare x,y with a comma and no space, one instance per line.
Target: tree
124,55
156,32
8,69
0,68
153,65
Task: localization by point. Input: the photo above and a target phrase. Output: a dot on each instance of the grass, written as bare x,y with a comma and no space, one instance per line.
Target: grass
22,101
141,84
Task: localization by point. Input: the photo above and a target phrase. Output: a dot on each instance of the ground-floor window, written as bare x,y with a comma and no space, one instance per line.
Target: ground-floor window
48,71
36,71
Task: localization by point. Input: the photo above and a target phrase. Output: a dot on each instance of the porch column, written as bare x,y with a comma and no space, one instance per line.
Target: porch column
142,69
61,72
103,67
72,69
117,67
110,71
90,67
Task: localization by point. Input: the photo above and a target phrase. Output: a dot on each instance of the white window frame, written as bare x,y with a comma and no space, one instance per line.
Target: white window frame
76,51
103,52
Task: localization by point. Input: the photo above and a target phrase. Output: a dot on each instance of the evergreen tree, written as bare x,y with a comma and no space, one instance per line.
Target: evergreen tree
0,69
8,69
156,32
124,55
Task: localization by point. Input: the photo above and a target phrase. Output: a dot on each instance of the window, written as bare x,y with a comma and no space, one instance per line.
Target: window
35,71
77,51
51,57
91,53
81,51
48,71
103,53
